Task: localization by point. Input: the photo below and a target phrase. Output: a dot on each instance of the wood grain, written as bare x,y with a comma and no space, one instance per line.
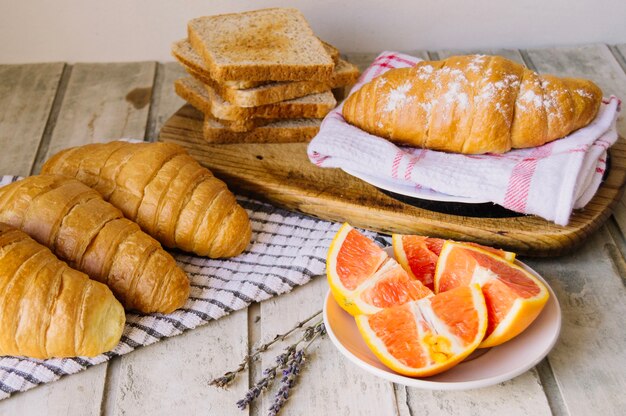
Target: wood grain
283,175
164,98
26,96
173,375
588,361
78,394
102,102
508,398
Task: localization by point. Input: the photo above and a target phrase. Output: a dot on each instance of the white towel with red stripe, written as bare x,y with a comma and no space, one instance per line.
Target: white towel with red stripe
549,181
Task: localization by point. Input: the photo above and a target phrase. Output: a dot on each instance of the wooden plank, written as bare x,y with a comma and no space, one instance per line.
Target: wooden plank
102,102
283,174
588,361
329,384
512,54
26,96
172,376
165,102
621,54
77,394
595,62
521,396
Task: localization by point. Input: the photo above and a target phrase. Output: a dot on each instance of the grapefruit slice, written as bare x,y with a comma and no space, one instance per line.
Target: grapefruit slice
514,296
425,337
363,278
418,255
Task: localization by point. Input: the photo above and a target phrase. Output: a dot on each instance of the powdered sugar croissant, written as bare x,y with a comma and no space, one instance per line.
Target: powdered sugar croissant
472,104
166,191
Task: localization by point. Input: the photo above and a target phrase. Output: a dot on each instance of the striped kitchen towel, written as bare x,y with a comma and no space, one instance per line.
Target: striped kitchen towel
287,250
549,181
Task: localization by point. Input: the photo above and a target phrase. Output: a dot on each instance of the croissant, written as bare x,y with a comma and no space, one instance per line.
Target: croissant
164,190
94,237
48,309
472,104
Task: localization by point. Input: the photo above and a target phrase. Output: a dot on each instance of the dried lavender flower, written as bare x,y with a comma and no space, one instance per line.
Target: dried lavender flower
290,361
230,376
290,375
269,375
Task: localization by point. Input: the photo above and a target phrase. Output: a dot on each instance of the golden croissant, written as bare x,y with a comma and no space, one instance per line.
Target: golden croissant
48,309
472,104
164,190
93,236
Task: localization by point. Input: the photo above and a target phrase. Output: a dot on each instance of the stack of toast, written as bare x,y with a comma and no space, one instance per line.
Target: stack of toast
260,76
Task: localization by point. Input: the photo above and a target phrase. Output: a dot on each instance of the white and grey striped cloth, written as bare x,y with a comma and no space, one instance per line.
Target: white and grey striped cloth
287,250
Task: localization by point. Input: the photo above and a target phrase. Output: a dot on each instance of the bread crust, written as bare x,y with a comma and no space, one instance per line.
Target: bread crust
157,185
472,104
262,45
251,93
278,131
241,119
48,309
93,236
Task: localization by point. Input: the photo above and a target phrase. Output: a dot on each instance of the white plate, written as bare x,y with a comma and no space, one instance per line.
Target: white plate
484,367
410,190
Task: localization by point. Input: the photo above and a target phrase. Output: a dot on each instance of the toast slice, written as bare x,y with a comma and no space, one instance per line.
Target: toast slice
344,74
280,131
262,45
186,55
198,97
246,118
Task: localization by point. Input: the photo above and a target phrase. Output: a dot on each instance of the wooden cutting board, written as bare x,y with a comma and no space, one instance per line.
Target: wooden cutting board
283,175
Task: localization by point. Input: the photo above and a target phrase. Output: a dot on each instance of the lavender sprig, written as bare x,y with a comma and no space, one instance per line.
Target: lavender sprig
290,374
269,374
228,377
288,380
290,361
268,377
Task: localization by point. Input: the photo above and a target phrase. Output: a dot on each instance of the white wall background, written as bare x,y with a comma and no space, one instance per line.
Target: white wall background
135,30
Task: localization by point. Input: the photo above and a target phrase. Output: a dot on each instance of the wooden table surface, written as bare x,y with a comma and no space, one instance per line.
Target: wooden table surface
47,107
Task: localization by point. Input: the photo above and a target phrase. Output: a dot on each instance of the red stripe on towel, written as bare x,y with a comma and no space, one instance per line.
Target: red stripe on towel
396,164
517,191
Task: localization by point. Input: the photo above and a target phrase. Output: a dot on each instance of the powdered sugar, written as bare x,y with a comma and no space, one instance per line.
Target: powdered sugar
454,95
424,72
583,93
427,107
529,97
398,97
475,64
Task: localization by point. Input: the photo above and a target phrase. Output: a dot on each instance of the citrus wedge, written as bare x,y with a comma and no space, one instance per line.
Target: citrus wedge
514,296
418,255
425,337
363,278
